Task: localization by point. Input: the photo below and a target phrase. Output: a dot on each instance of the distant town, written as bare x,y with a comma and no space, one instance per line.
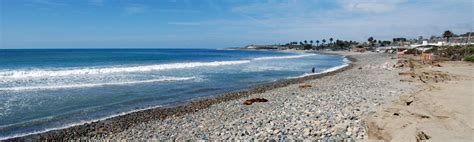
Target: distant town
448,45
447,38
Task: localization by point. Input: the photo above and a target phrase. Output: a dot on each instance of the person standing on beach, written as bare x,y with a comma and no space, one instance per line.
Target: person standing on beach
313,70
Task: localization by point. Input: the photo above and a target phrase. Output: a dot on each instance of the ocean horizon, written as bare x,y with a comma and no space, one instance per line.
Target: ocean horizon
47,89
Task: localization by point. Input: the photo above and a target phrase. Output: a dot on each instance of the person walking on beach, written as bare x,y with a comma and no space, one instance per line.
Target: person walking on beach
313,70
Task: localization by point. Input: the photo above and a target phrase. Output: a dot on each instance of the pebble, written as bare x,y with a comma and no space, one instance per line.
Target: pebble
306,132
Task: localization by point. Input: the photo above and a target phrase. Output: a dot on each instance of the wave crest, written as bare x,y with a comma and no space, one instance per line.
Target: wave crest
54,87
92,71
283,57
16,74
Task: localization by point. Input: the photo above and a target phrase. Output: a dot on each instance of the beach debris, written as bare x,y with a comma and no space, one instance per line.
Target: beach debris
411,65
407,73
425,116
388,65
251,101
411,74
421,79
400,64
422,136
303,86
426,76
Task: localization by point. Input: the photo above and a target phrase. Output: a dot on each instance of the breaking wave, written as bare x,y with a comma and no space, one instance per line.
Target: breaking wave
108,70
54,87
15,74
283,57
347,62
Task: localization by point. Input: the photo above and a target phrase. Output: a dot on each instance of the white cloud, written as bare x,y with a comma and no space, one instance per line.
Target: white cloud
352,20
267,7
271,9
178,10
185,23
376,6
50,2
135,9
370,7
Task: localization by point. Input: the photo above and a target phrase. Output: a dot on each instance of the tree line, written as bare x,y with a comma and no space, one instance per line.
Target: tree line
321,44
337,44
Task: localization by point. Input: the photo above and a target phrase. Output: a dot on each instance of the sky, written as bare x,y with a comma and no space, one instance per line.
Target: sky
221,23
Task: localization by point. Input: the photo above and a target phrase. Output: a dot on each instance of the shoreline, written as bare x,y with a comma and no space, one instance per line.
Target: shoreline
129,119
329,108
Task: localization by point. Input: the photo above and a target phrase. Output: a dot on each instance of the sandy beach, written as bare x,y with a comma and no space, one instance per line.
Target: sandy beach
441,111
355,103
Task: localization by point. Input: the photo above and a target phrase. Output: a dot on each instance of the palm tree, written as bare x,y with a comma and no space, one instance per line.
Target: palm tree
305,42
371,40
311,41
447,34
317,43
324,41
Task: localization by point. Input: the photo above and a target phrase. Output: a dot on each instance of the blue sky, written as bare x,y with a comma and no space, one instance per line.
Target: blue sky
221,23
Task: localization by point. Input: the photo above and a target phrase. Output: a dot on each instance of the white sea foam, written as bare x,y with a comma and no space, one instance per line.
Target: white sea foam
346,63
75,124
284,57
107,70
54,87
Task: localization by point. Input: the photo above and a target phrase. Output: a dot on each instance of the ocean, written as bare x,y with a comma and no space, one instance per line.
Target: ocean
47,89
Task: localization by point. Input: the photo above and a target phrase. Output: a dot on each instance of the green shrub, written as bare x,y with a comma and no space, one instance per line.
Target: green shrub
432,50
448,51
469,50
469,58
411,51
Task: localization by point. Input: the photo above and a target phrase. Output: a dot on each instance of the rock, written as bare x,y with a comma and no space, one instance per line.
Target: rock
251,101
276,131
306,131
324,131
303,86
348,133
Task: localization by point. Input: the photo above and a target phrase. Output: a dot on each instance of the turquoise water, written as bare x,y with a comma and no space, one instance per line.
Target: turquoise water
46,89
